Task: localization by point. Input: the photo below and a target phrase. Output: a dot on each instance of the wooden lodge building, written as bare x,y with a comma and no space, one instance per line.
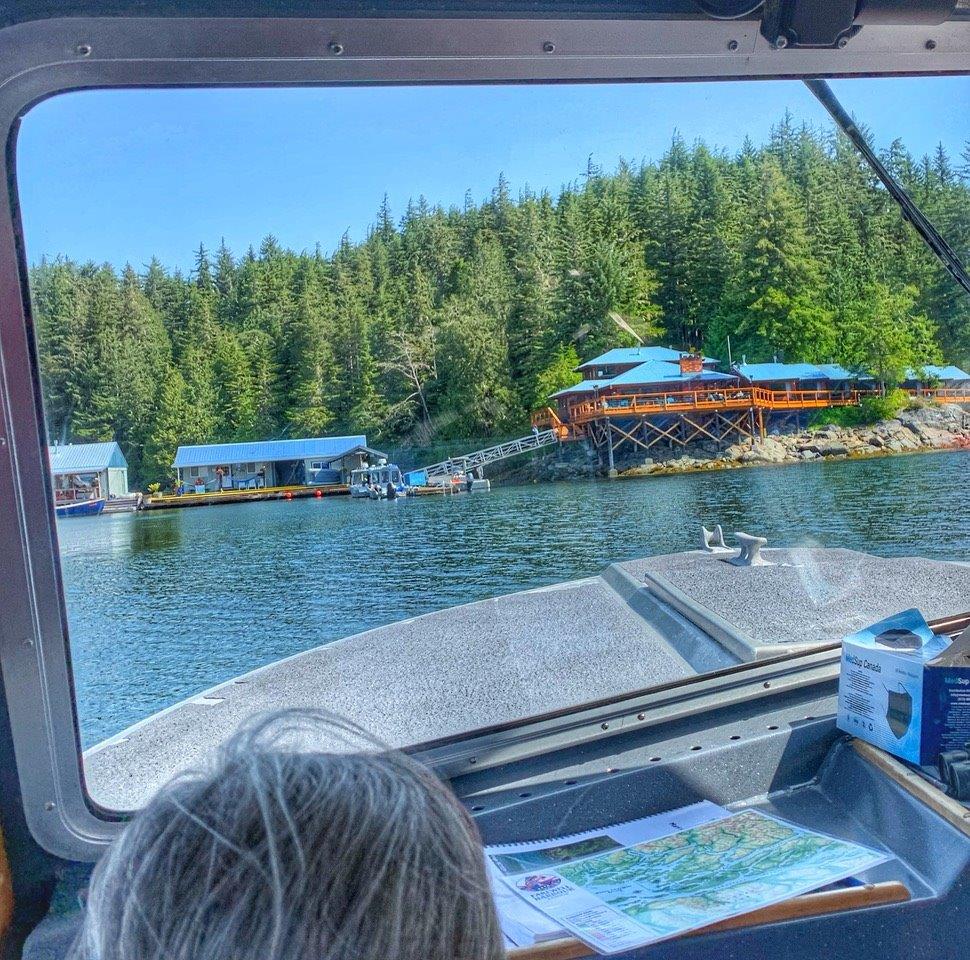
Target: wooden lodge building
948,377
271,463
620,373
643,396
793,377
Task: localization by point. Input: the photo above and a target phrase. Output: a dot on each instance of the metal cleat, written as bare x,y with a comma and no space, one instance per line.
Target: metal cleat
712,541
750,555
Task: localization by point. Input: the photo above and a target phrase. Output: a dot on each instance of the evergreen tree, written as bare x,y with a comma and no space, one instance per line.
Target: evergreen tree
455,323
886,335
171,426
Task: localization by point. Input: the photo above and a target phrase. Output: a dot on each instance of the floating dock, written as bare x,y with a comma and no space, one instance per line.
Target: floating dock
218,497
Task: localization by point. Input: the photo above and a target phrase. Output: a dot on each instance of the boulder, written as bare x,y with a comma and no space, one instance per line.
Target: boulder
766,451
826,448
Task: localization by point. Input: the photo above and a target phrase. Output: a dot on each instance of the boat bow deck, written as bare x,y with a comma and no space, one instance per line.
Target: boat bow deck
641,623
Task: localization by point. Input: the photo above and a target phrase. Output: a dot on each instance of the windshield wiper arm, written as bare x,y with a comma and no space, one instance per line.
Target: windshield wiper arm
924,227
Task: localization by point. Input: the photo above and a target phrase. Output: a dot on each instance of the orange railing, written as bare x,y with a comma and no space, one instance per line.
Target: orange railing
712,400
548,419
943,394
807,399
709,400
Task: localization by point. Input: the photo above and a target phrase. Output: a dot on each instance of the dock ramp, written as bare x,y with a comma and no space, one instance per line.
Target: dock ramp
479,458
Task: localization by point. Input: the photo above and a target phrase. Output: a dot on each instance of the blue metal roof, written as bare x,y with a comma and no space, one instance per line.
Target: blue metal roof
660,372
265,451
85,457
584,386
794,371
637,355
931,370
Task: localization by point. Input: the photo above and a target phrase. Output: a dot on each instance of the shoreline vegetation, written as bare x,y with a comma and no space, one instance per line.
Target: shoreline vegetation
932,428
448,323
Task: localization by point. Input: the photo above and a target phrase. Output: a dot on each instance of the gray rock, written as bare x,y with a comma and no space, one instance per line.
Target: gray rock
827,448
767,451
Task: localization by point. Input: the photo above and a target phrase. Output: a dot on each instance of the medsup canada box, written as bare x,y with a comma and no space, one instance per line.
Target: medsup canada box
906,689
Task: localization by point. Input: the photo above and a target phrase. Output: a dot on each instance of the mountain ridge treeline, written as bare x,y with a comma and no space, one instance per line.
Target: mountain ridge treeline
457,322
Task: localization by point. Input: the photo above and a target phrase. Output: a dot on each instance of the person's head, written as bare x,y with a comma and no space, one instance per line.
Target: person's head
287,850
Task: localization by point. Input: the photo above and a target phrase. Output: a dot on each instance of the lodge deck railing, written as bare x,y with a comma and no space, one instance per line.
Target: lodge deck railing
724,399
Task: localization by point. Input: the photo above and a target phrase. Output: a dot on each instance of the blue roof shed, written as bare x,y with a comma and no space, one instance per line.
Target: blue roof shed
85,457
947,373
267,451
766,372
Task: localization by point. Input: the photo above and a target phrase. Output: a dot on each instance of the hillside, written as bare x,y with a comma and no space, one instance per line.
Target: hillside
453,323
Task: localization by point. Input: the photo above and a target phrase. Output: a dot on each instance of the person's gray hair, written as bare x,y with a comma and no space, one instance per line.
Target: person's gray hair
288,849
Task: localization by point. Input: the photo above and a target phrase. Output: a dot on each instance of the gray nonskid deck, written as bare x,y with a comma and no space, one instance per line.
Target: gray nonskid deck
808,596
442,673
640,624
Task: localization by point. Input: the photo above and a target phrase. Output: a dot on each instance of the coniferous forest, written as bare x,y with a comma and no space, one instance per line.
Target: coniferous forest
451,323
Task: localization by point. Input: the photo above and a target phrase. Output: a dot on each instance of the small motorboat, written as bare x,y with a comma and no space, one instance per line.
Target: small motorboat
79,508
381,482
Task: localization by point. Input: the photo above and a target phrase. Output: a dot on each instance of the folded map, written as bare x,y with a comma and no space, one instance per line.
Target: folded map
627,886
525,924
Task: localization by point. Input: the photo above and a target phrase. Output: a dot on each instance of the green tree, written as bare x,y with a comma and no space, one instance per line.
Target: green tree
236,394
558,375
773,303
886,336
172,425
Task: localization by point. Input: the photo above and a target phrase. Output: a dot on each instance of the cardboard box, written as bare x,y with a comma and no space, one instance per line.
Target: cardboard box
906,689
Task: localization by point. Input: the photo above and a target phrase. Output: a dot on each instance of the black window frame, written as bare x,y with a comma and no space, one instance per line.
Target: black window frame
48,57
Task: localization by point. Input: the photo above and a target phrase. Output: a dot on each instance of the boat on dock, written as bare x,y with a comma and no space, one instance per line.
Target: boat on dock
79,508
381,482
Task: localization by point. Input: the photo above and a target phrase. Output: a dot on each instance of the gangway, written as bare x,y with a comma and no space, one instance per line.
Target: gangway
470,462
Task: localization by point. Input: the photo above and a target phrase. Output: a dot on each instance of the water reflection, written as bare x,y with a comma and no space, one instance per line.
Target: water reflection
164,604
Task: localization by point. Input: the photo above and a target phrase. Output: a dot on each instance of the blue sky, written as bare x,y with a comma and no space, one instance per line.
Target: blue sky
120,175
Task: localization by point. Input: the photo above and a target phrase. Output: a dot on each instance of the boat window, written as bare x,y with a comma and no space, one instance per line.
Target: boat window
761,333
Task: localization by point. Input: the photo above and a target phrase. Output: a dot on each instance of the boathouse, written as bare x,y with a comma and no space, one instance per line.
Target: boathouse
85,471
272,463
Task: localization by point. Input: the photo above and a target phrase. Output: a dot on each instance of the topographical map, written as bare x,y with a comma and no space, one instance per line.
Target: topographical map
648,891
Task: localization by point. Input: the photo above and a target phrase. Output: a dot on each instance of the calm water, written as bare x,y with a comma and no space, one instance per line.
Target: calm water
165,604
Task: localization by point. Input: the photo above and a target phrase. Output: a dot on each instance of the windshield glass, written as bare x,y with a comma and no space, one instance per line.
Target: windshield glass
401,349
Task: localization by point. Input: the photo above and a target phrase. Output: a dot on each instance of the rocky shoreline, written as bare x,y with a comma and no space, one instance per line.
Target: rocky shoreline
920,429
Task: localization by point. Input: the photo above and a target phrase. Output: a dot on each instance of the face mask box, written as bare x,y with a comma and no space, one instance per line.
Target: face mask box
906,689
